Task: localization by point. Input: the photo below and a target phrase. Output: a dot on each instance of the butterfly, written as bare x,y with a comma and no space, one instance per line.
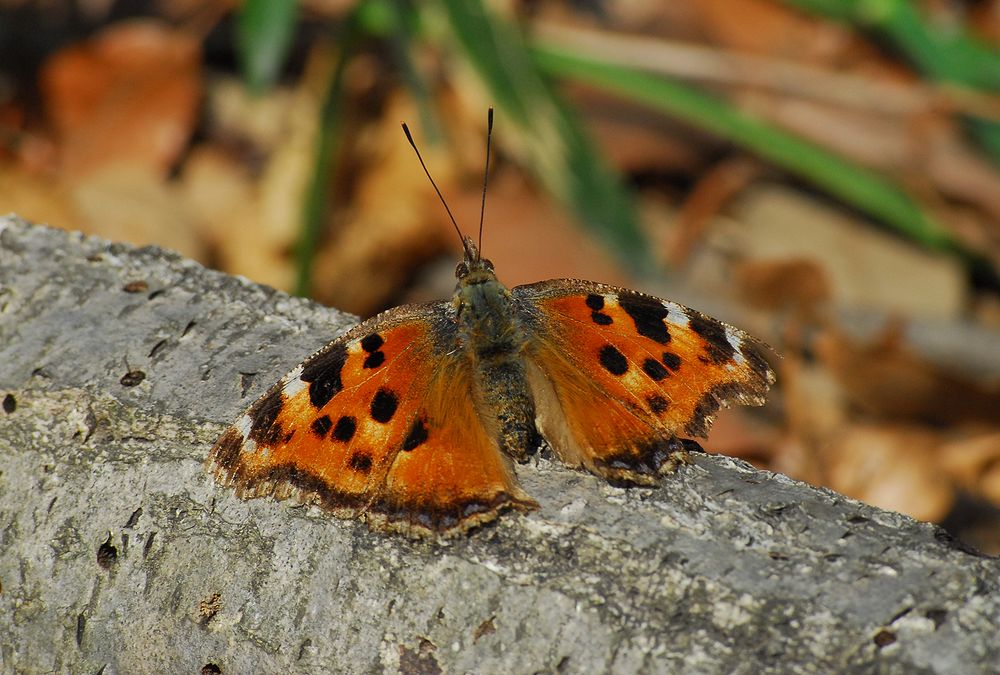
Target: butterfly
414,419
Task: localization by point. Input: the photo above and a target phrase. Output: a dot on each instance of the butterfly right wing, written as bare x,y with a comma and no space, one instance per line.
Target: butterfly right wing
619,377
379,423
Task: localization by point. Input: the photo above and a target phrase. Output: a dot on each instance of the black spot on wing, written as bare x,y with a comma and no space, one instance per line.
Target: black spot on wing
671,361
416,436
657,403
321,426
322,372
374,360
596,303
647,313
361,462
655,369
264,427
383,406
344,430
714,333
371,343
613,360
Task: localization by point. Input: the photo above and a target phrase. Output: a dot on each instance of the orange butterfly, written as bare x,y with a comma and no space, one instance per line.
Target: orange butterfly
411,420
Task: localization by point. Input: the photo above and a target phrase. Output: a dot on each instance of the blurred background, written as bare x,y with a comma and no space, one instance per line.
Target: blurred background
822,173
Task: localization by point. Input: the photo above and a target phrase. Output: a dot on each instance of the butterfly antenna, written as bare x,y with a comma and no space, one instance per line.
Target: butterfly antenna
486,174
409,137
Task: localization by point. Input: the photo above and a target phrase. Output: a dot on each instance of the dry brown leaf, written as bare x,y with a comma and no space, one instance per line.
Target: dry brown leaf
815,410
127,95
636,140
220,192
777,29
677,19
120,203
984,20
254,217
396,221
236,116
739,433
711,193
865,268
222,198
888,380
929,151
389,227
867,136
815,407
892,467
974,463
35,197
792,285
131,203
794,457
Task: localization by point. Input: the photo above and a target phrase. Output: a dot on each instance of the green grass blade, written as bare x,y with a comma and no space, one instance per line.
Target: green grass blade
397,24
557,149
947,55
264,34
331,122
864,189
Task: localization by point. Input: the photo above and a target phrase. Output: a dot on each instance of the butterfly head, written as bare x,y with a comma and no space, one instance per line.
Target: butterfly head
474,269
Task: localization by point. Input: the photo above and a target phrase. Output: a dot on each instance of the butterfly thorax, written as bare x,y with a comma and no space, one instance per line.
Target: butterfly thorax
489,326
493,337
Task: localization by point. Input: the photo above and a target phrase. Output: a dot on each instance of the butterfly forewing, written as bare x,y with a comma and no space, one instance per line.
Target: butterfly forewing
372,424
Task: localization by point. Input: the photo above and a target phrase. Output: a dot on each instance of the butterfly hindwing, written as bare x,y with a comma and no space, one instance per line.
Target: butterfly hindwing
618,376
376,424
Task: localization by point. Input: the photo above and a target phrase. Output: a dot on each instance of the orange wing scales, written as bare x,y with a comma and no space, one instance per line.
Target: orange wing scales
620,377
371,426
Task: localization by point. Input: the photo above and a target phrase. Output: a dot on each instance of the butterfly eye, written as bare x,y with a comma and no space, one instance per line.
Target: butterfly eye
462,270
488,264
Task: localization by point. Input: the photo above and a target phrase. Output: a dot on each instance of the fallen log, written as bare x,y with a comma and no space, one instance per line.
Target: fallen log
120,366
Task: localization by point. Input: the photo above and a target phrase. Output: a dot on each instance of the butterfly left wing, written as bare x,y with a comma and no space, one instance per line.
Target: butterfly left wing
380,423
618,377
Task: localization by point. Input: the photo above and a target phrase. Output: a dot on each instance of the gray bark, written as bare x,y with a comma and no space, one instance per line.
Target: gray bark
119,554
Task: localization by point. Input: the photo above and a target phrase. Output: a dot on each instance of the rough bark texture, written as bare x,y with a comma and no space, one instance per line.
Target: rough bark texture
118,554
